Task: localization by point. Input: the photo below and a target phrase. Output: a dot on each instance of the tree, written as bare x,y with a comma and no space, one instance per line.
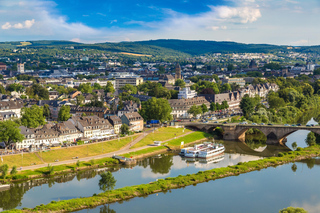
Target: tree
307,90
97,86
46,111
85,88
247,105
294,167
4,170
195,110
226,88
64,113
162,70
10,132
80,99
38,92
156,109
109,87
180,83
230,67
130,89
224,105
124,129
293,210
204,108
311,139
14,170
107,182
213,106
15,87
294,145
32,117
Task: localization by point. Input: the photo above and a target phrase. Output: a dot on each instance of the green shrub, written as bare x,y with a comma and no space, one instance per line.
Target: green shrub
299,149
280,154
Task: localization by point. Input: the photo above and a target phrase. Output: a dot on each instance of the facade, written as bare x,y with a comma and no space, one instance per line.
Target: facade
98,111
129,107
20,68
93,127
53,95
68,132
116,122
239,81
11,106
7,116
233,98
261,90
3,66
133,120
187,93
135,81
180,107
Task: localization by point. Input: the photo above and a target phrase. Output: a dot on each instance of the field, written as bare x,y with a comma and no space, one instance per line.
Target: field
66,153
24,44
161,134
135,54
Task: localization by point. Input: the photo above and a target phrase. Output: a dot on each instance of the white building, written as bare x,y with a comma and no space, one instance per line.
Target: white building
187,93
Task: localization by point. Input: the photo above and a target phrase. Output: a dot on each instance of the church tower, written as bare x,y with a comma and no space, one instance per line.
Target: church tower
178,72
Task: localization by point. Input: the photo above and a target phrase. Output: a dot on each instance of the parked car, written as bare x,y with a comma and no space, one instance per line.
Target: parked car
298,124
286,125
270,124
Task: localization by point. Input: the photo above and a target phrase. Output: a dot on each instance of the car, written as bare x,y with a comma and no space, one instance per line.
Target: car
262,124
286,125
298,124
148,126
270,124
253,124
225,122
215,122
293,125
308,125
311,124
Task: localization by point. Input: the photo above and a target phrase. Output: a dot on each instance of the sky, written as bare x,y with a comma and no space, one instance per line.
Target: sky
282,22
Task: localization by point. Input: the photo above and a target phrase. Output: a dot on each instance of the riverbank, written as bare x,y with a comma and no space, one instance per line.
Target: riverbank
100,162
163,185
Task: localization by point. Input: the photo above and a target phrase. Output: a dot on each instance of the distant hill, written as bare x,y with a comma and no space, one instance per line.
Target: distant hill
167,47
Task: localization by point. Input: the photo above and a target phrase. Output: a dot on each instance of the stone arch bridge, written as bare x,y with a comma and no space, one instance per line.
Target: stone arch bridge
275,133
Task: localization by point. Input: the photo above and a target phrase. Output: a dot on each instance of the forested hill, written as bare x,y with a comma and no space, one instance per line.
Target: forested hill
167,47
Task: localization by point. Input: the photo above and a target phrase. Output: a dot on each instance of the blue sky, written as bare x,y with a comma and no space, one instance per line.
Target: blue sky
287,22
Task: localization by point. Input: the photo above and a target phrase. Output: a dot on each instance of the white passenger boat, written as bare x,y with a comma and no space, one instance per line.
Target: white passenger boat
211,151
193,152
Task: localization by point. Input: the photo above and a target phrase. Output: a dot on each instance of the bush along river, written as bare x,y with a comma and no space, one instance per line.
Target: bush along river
84,184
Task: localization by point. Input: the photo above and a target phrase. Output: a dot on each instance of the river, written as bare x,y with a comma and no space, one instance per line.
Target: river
82,184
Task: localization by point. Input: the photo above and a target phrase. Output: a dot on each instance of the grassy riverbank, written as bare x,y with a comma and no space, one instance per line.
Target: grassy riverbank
162,185
161,134
63,154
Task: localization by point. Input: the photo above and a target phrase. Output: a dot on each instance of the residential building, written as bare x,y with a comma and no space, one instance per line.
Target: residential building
3,66
93,127
11,106
128,107
79,111
7,116
133,120
68,132
180,107
29,138
116,122
53,95
186,93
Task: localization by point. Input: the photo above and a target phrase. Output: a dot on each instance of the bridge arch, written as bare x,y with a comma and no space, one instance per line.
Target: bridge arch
242,133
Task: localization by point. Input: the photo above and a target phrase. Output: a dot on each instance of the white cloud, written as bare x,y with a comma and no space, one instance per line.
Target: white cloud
238,14
27,25
6,26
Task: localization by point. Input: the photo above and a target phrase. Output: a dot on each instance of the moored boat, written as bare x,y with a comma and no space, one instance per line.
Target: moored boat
214,150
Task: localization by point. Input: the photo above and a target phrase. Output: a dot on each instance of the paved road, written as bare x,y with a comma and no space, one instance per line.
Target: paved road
124,150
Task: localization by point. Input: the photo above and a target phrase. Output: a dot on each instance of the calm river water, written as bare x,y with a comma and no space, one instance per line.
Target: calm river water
213,195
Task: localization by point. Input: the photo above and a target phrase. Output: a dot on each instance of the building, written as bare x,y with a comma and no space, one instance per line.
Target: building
3,66
135,81
240,81
233,98
53,95
12,107
178,72
7,116
133,120
128,107
68,132
93,127
180,107
187,93
253,64
79,111
29,138
116,122
20,68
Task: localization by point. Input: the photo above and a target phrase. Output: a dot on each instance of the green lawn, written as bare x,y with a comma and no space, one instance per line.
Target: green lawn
161,134
67,153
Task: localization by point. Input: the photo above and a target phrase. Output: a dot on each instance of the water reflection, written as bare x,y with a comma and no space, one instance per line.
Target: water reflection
86,183
106,209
